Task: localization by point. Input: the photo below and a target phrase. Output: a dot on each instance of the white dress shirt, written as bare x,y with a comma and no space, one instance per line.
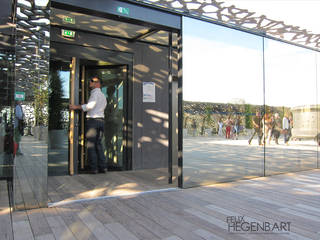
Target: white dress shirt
96,104
285,123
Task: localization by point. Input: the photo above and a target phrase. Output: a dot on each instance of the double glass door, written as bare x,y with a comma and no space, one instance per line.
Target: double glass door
67,151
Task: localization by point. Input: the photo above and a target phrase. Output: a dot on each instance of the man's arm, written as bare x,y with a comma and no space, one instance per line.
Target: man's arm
75,107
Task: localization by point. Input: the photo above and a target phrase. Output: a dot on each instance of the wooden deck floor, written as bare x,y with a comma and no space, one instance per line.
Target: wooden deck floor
196,213
65,189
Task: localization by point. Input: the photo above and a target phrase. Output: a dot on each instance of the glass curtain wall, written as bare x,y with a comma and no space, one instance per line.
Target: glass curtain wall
6,113
222,100
242,96
31,100
317,138
291,108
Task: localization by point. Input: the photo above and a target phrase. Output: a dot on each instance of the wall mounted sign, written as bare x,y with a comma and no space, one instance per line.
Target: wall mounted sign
19,96
149,92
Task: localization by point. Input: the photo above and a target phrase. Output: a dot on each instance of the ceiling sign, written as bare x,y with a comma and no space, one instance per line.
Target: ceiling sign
68,33
70,20
123,10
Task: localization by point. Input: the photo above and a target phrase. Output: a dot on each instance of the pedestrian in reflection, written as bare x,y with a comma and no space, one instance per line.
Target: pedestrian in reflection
267,127
276,127
194,127
290,126
94,125
236,127
286,128
228,123
220,125
18,128
257,126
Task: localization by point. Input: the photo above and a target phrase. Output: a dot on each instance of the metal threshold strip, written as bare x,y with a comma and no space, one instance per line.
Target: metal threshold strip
66,202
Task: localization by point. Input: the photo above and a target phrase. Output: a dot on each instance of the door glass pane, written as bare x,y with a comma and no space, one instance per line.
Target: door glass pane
59,82
112,79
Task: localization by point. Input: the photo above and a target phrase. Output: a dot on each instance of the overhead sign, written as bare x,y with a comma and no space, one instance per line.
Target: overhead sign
68,33
19,96
70,20
123,10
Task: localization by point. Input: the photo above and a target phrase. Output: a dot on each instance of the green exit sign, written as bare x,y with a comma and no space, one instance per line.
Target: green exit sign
70,20
123,10
68,33
19,96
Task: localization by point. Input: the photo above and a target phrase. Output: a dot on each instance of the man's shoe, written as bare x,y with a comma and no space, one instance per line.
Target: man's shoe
93,171
102,171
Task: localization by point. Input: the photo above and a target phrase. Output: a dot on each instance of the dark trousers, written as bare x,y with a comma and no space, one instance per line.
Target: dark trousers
94,133
259,133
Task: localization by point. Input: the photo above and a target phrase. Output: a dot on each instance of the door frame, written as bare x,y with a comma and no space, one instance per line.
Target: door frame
127,162
64,50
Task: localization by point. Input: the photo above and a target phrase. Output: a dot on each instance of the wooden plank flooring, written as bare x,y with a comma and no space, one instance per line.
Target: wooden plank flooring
5,211
86,186
188,214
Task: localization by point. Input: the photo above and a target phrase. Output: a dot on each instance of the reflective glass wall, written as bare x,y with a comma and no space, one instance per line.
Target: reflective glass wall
31,104
240,91
291,98
6,113
222,92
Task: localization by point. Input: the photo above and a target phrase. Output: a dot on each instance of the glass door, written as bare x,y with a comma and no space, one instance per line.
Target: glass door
114,86
59,97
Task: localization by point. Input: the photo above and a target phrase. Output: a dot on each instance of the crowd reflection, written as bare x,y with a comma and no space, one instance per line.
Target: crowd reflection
269,125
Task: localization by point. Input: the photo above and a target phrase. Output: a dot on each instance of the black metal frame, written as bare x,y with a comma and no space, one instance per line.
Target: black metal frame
71,50
139,14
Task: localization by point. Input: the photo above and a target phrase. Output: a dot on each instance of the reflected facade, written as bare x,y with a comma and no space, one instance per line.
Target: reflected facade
31,96
222,91
249,105
290,93
6,114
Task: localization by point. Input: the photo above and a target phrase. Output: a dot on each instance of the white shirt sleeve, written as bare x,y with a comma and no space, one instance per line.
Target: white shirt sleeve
91,103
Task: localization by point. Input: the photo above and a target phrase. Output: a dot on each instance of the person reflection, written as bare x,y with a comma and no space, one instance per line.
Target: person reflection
276,127
194,127
286,128
228,123
220,125
267,127
18,128
257,126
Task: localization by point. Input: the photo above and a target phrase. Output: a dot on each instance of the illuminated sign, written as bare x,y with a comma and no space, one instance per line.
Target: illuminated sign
68,33
70,20
123,10
19,96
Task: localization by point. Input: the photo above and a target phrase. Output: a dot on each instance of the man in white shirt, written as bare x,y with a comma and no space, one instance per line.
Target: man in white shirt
94,125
